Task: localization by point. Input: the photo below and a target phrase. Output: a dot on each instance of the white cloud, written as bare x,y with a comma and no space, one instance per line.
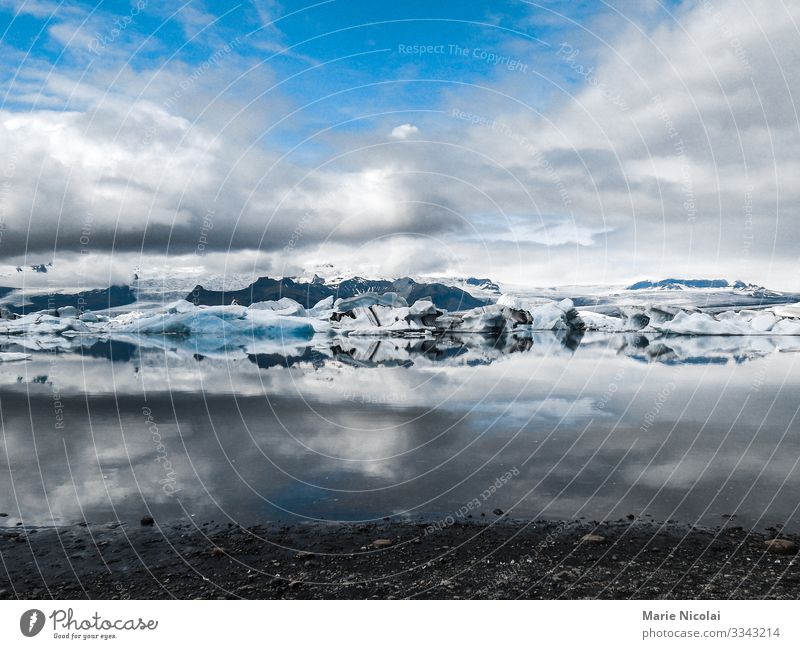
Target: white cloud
694,173
404,131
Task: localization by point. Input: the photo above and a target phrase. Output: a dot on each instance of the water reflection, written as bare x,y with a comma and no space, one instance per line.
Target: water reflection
448,349
362,428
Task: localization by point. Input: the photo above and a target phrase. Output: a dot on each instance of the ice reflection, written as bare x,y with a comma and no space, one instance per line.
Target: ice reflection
362,428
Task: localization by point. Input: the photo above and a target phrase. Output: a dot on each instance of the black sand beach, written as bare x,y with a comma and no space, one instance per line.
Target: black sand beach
392,560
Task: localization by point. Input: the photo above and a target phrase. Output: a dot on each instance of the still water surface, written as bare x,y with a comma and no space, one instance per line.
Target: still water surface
597,428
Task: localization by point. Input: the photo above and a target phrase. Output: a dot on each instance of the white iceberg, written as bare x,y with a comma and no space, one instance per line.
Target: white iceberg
184,318
783,320
9,357
285,306
373,314
546,315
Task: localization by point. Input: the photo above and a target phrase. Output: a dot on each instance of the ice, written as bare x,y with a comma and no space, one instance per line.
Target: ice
184,318
601,322
494,318
389,314
322,309
371,317
68,312
702,324
512,301
786,327
746,322
42,323
783,320
546,315
764,322
366,300
8,357
285,306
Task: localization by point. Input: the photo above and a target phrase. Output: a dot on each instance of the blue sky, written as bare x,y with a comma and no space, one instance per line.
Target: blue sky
513,139
364,53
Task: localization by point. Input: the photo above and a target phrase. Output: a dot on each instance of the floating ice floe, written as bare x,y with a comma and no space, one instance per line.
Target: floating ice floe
547,315
9,357
774,321
183,318
373,314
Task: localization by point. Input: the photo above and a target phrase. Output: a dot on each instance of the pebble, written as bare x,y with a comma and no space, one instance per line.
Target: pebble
570,575
3,515
147,521
780,546
217,552
382,543
304,556
593,538
497,512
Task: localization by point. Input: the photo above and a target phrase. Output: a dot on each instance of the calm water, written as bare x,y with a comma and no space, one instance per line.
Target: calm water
602,427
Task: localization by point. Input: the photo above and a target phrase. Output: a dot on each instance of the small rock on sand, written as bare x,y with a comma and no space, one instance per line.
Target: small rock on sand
569,575
147,521
593,538
780,546
382,543
497,512
304,556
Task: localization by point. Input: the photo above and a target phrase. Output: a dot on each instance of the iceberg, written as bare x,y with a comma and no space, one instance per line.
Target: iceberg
9,357
547,315
393,314
285,306
184,318
373,314
783,321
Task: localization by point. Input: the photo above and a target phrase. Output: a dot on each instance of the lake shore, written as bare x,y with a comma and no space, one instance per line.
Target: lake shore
398,559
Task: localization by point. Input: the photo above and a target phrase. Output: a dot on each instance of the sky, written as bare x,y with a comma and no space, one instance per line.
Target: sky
535,143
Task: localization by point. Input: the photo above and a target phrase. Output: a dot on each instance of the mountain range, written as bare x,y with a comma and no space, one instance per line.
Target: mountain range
308,294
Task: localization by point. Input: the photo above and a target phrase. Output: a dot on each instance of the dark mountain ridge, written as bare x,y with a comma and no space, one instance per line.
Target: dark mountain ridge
308,294
92,300
678,283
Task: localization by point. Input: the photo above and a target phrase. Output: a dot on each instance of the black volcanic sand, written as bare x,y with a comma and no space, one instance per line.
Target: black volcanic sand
499,559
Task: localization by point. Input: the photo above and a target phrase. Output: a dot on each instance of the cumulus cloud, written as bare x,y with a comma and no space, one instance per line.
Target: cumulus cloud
403,131
675,151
